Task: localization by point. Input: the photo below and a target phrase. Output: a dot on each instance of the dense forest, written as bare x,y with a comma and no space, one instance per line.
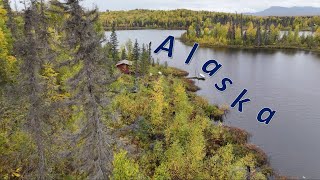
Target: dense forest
213,29
66,111
251,35
183,19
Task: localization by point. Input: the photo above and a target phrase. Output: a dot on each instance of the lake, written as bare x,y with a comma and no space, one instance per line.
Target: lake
284,80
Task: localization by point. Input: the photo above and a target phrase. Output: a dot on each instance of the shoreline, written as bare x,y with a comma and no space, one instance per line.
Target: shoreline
207,45
143,28
239,47
242,134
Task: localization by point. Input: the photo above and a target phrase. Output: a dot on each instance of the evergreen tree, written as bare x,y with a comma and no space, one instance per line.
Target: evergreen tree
114,44
258,34
144,60
93,155
136,55
232,32
198,30
149,53
241,25
32,84
266,36
310,41
123,54
136,51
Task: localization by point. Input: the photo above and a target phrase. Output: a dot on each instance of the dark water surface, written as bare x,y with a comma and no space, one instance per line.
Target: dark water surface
286,81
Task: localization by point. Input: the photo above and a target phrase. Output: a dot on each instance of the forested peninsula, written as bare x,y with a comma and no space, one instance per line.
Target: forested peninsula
67,112
214,29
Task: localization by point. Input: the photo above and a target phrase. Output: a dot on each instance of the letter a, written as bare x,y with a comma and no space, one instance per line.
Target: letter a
170,40
268,119
214,70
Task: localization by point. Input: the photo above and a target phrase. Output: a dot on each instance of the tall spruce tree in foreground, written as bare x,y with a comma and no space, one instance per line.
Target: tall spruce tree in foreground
33,56
32,50
114,44
92,152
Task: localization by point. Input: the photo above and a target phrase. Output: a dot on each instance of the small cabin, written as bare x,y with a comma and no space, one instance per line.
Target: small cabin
124,66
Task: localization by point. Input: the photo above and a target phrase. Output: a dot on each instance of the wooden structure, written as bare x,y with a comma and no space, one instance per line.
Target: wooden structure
124,66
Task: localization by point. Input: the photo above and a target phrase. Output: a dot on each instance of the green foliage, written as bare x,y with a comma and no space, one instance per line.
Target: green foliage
162,173
174,133
317,36
8,63
225,165
158,105
11,142
124,168
144,62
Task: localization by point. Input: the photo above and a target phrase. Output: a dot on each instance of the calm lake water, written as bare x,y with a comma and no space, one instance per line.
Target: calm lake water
286,81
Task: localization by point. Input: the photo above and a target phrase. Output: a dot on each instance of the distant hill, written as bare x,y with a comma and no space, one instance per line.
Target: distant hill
285,11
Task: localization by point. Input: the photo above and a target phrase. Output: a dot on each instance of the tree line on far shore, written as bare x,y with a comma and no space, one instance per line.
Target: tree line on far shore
183,19
224,29
251,35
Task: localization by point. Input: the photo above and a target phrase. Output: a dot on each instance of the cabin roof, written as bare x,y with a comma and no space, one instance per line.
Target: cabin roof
127,62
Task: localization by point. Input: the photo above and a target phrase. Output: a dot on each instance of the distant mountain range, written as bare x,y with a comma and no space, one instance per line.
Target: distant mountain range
288,11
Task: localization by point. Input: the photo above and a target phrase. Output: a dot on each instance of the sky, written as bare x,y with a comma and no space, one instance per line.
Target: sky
211,5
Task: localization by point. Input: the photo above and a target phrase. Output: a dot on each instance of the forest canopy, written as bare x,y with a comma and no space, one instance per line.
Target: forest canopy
183,19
